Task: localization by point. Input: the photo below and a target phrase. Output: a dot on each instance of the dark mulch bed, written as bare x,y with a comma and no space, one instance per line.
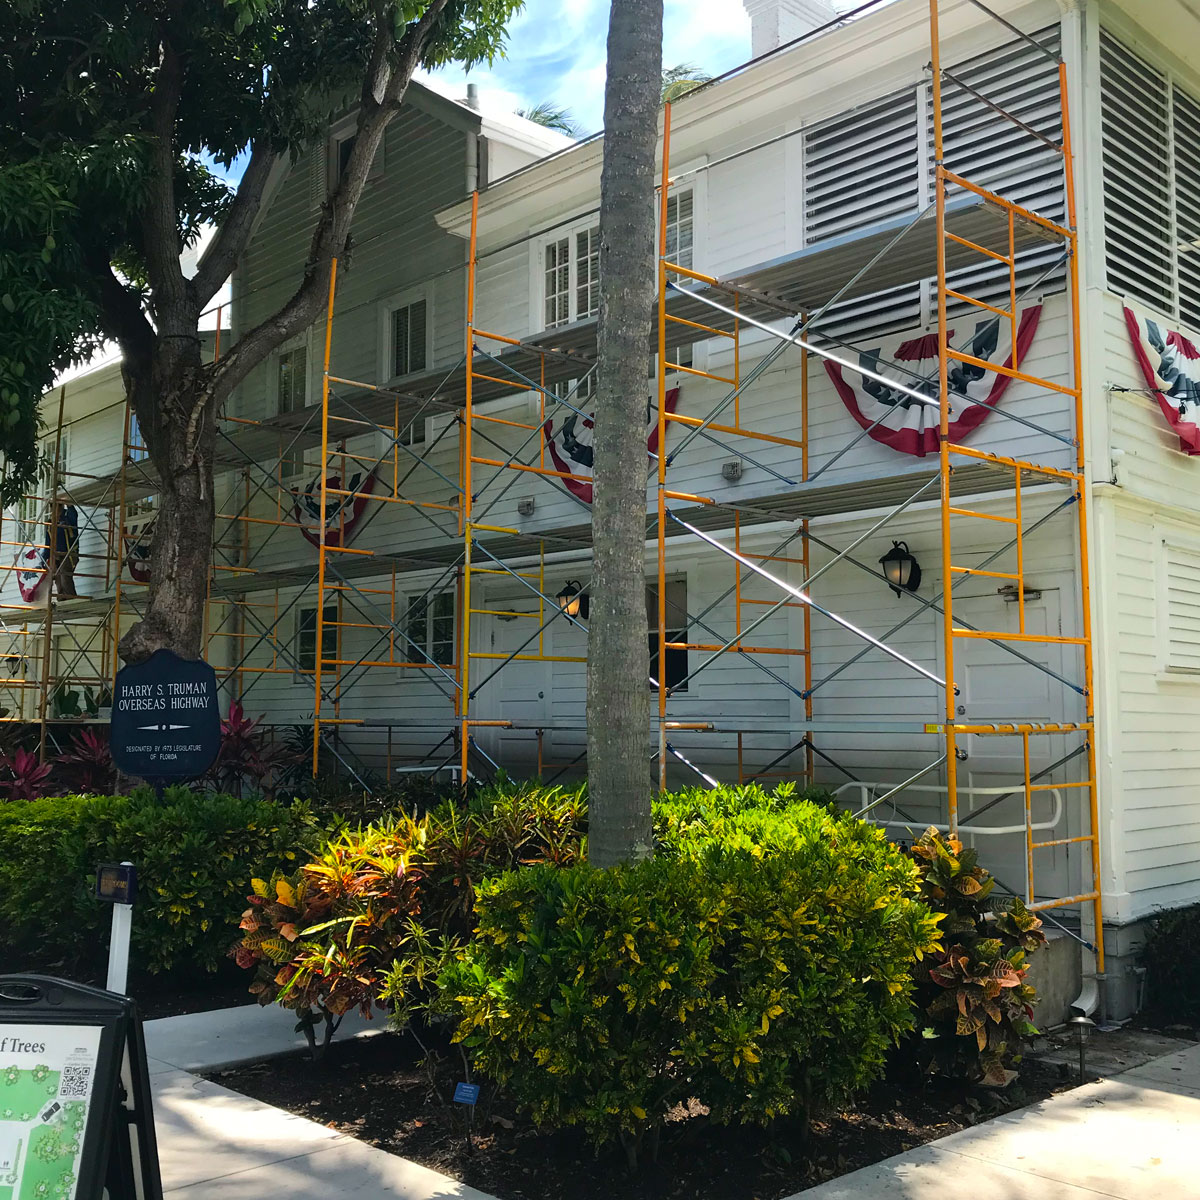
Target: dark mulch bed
376,1089
172,995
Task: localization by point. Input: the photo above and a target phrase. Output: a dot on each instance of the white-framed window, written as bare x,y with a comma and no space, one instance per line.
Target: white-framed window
406,334
137,442
680,228
570,274
676,667
304,646
429,625
137,452
33,509
291,378
1151,164
410,337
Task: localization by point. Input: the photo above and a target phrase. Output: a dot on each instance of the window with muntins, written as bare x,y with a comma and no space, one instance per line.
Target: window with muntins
429,626
293,379
409,334
1151,162
679,229
571,277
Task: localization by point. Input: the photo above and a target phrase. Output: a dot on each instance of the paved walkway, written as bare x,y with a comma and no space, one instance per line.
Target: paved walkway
1134,1136
214,1142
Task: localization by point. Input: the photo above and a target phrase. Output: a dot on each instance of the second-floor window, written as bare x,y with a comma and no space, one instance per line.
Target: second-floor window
292,379
679,229
409,337
571,276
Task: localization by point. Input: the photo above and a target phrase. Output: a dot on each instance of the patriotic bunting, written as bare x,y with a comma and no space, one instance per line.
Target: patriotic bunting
904,423
570,445
1170,364
342,512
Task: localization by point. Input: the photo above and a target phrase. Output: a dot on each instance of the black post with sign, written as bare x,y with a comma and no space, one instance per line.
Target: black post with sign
77,1119
166,721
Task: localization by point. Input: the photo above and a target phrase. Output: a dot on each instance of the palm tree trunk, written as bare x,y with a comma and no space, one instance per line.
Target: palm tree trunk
618,699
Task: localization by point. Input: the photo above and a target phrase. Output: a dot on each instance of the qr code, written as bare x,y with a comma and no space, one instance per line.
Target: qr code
76,1082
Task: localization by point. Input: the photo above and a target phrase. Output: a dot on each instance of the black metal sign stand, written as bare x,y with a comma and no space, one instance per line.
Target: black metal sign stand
73,1063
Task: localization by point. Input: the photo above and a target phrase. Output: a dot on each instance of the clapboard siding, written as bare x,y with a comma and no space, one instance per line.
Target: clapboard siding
396,244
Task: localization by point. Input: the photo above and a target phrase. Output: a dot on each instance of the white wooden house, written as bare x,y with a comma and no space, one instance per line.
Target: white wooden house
822,148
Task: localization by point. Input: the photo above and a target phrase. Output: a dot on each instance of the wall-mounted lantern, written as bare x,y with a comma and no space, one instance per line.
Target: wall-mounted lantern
573,600
902,570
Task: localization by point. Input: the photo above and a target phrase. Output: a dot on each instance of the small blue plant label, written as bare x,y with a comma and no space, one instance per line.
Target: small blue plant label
466,1093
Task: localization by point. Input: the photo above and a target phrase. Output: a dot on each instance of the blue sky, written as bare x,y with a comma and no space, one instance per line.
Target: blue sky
556,53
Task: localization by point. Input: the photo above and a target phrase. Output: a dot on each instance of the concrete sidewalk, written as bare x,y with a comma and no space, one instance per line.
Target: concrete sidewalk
214,1142
1133,1136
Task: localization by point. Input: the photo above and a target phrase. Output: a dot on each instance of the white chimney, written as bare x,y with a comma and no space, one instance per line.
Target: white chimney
774,22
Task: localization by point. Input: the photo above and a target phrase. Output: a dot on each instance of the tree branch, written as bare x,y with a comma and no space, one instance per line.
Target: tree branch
121,314
382,92
168,286
230,241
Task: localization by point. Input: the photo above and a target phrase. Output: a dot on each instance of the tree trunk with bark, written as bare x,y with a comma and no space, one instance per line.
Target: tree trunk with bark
176,395
618,697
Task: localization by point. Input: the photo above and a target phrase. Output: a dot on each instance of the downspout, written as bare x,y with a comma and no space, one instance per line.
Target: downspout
1090,997
472,141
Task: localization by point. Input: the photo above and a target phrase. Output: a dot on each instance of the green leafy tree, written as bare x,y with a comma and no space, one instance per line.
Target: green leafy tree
113,117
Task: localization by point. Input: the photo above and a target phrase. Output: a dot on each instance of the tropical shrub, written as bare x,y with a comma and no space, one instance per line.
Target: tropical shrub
193,853
1171,956
88,767
22,776
246,755
366,921
977,1006
762,963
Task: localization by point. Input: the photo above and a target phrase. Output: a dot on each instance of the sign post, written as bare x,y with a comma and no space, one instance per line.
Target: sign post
117,884
76,1121
166,723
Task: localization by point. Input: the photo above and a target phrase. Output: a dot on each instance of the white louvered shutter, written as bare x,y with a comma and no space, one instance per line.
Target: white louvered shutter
990,150
1183,609
862,168
1134,105
1185,120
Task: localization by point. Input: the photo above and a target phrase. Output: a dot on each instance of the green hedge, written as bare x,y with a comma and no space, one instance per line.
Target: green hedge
194,854
762,962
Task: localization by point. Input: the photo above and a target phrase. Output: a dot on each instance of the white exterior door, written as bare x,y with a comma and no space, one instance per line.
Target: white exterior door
519,691
998,687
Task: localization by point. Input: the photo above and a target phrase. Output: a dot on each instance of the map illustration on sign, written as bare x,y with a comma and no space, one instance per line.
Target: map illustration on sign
166,721
47,1073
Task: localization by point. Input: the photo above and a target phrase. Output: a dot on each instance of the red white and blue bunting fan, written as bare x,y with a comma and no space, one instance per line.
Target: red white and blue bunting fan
138,540
342,512
1170,363
570,444
904,423
33,572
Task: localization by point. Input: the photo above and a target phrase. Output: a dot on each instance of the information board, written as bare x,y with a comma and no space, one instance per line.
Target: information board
46,1078
75,1112
166,720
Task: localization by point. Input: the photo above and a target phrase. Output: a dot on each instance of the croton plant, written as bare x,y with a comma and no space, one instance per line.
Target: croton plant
978,1007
